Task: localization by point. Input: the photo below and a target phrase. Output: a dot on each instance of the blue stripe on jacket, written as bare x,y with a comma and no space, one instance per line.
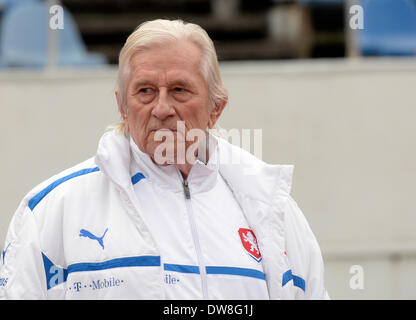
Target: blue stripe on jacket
34,201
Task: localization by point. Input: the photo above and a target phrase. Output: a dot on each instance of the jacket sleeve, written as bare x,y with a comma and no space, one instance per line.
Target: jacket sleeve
22,271
304,254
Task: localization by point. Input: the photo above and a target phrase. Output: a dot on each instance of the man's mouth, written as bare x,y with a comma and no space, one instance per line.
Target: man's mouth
164,130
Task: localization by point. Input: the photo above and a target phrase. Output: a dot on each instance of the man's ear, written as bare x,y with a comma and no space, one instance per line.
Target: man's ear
216,112
122,111
120,106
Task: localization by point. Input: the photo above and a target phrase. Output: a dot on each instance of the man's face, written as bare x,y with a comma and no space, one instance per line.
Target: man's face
165,87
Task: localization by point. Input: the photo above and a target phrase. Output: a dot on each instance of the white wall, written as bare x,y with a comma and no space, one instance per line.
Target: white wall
346,125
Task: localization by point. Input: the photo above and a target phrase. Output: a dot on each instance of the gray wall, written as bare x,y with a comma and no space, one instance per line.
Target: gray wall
347,126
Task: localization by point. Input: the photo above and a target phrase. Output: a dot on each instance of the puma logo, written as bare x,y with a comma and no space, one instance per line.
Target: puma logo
86,233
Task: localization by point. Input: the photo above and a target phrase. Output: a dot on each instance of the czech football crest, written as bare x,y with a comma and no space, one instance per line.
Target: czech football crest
249,241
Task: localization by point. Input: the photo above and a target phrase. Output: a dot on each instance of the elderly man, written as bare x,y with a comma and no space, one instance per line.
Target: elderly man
163,211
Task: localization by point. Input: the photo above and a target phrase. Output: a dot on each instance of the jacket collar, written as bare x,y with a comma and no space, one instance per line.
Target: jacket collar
113,158
244,173
250,176
202,177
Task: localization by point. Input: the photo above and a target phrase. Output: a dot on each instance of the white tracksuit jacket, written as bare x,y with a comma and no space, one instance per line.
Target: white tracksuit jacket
82,235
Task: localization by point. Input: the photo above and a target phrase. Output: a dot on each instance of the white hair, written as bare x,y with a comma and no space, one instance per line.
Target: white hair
162,31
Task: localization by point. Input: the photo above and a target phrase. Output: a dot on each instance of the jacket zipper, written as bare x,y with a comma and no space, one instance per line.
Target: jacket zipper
195,237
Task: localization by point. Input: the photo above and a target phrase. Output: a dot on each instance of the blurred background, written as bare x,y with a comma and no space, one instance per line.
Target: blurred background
331,83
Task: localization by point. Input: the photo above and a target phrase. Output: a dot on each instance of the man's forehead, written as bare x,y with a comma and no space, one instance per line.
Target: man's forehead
173,62
179,53
144,76
172,50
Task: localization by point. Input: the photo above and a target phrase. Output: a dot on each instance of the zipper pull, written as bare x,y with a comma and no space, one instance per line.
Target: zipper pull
186,189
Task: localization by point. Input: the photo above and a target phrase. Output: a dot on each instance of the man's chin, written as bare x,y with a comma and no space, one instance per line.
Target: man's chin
162,153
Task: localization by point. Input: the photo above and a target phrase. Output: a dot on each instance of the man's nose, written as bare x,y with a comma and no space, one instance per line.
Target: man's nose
163,108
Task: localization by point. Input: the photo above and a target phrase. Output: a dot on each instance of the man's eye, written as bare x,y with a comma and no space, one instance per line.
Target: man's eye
145,90
179,89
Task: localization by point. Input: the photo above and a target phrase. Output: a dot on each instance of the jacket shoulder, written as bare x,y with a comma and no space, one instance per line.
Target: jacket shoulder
65,178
